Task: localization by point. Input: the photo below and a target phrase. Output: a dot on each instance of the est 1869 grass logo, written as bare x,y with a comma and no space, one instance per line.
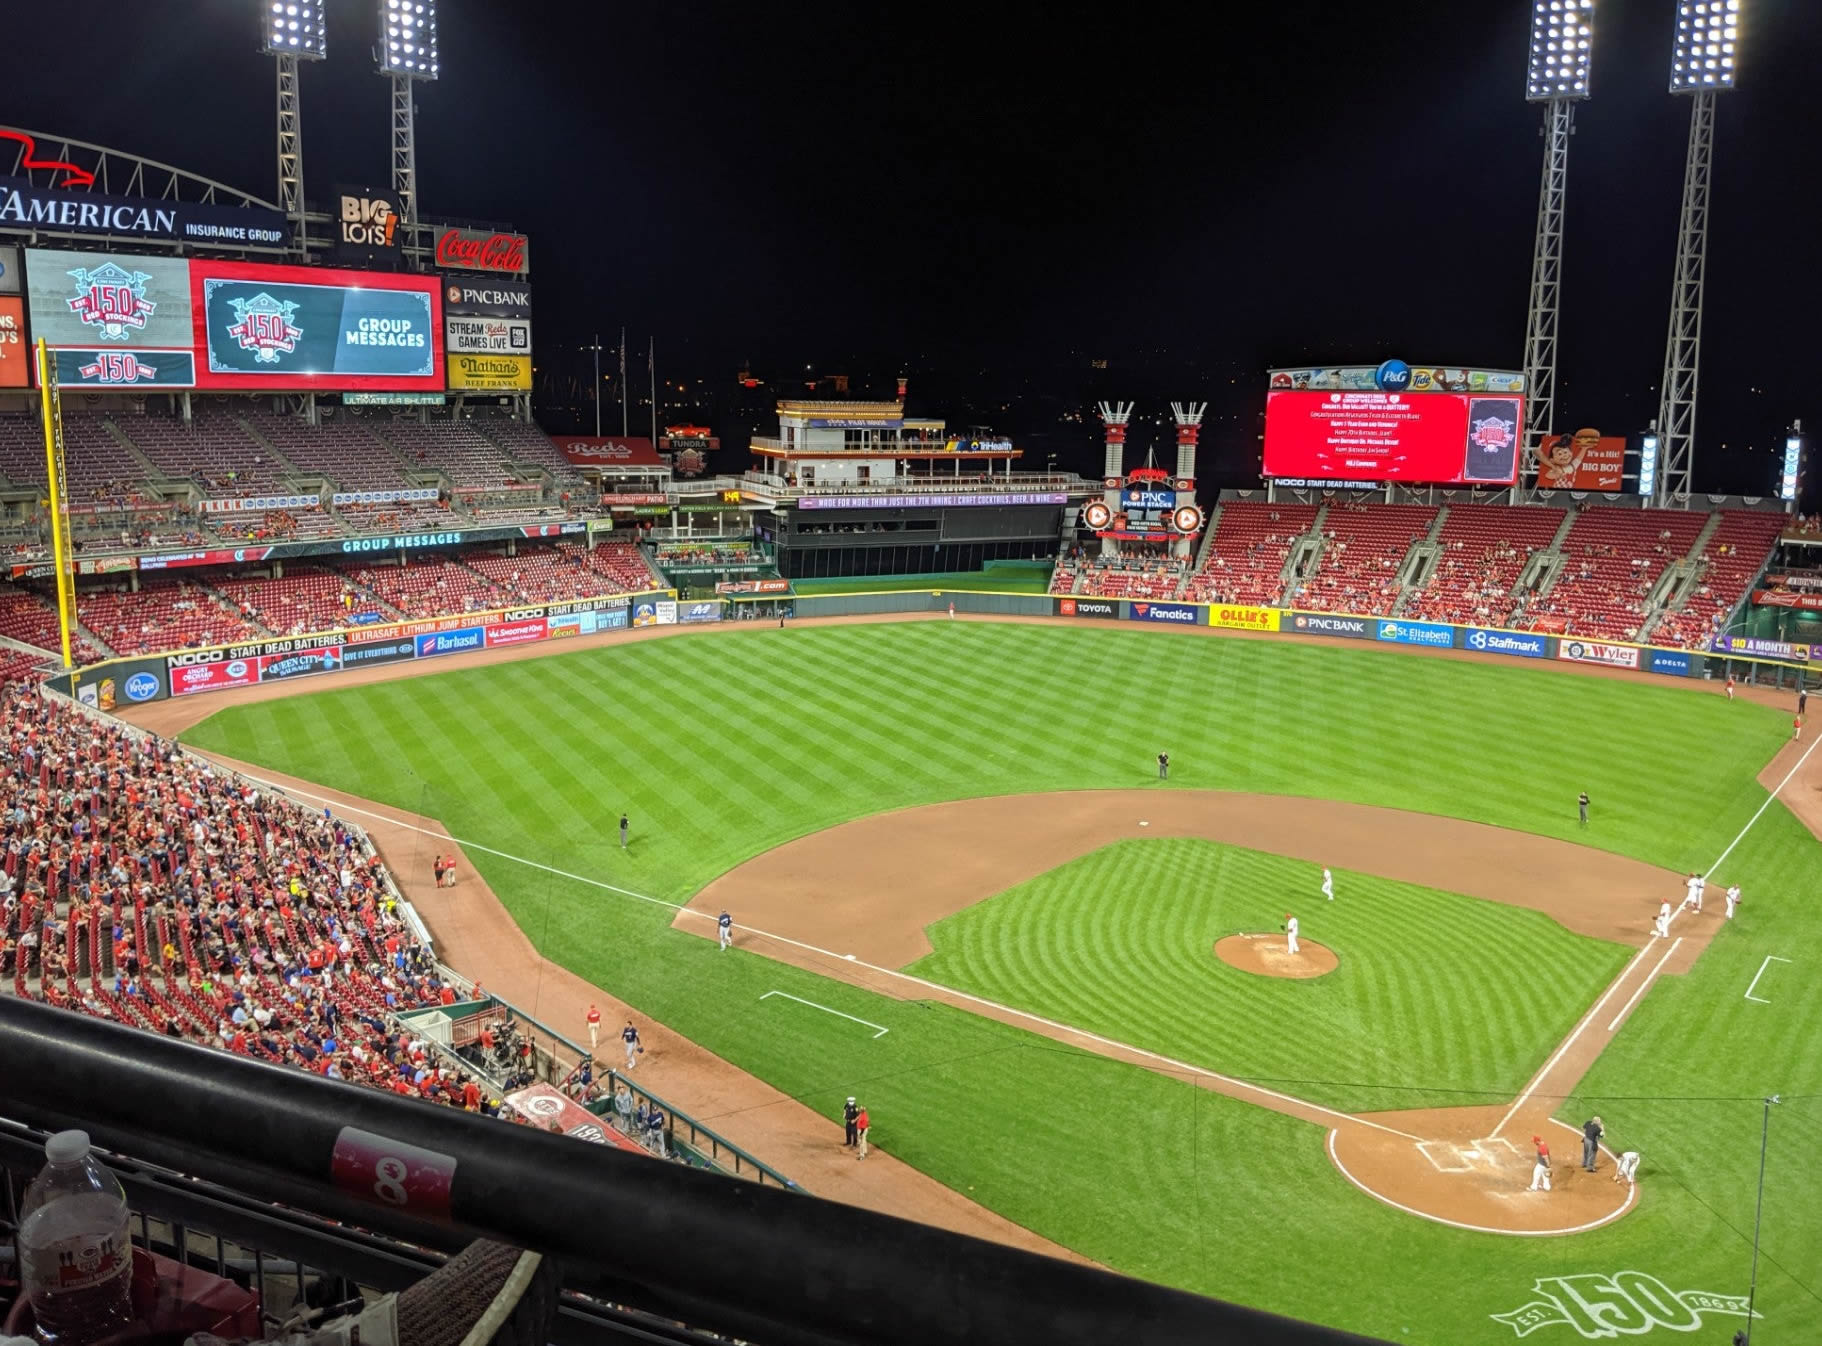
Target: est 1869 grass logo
1627,1303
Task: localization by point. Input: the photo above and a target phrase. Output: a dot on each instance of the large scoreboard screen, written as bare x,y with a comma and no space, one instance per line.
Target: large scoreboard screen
1394,423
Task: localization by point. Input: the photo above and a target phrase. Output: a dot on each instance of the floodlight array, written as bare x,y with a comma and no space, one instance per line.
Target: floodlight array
1562,46
408,38
1707,40
295,28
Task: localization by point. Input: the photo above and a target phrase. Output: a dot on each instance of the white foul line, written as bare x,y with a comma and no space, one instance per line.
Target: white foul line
826,1010
1642,985
847,960
1769,960
1637,958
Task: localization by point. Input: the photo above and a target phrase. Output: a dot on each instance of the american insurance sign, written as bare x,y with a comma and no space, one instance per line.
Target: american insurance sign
476,250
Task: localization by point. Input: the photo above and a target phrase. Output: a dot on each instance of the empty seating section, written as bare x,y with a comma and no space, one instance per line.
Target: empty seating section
305,599
213,451
1731,560
272,525
401,516
622,564
1251,543
431,586
529,445
467,456
340,449
29,618
1132,577
167,613
1613,557
1484,550
548,576
1366,545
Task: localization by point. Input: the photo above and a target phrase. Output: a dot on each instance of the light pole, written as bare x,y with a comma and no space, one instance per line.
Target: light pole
1702,63
292,31
596,348
1562,49
1757,1214
408,53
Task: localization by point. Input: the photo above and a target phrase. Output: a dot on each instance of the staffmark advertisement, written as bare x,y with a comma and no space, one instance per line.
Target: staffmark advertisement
1523,644
1432,635
1176,614
1233,618
1594,652
1321,624
286,327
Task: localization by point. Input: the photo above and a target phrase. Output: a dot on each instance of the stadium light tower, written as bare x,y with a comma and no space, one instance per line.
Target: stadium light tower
292,31
407,52
1702,63
1562,49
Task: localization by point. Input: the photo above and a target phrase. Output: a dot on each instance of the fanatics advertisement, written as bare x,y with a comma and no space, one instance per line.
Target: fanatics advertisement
60,211
1595,652
283,327
1233,618
1177,614
1583,461
1441,438
490,373
486,336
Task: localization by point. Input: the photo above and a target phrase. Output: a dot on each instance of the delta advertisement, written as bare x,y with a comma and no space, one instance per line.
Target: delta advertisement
284,328
1448,439
113,321
1583,461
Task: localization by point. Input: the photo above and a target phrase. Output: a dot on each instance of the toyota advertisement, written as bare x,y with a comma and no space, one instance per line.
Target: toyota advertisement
285,328
1449,439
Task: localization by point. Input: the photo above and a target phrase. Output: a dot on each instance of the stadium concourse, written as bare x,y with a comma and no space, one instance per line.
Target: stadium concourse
1670,577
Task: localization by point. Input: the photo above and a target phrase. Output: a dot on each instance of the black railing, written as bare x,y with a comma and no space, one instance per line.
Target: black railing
691,1247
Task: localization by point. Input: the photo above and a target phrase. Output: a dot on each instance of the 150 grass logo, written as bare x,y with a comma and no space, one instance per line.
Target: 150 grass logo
1624,1303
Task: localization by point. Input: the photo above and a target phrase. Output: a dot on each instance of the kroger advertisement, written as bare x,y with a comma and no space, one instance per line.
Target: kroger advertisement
285,328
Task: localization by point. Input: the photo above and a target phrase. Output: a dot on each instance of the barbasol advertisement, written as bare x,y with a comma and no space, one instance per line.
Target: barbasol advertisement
282,328
1432,635
451,642
1520,643
1176,614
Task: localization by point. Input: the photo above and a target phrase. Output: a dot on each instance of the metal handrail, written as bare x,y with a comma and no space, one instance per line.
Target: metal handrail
733,1257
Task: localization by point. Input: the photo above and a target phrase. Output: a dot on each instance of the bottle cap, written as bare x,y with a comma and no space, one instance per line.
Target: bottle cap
67,1147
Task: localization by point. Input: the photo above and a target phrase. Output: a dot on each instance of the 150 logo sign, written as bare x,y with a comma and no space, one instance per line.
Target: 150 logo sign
1626,1303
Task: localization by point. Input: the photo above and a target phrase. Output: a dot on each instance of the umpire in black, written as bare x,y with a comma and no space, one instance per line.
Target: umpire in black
1592,1131
850,1119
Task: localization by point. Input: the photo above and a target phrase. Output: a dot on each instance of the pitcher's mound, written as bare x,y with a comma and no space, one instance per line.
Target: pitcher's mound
1267,956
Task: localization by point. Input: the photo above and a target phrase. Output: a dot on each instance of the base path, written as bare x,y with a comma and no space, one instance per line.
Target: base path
853,902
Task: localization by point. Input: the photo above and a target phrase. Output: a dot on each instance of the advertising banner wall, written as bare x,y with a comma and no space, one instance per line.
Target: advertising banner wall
366,228
753,587
478,250
1768,649
379,652
192,678
1677,663
15,355
475,297
1524,644
1583,461
1322,624
1177,614
61,211
490,373
1235,618
486,336
1785,598
99,368
284,328
930,501
1433,635
126,321
665,612
608,450
300,664
1443,438
1107,608
699,612
1597,652
516,633
451,642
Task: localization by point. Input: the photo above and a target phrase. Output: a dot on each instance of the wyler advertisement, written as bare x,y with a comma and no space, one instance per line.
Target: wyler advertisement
1596,652
275,327
486,336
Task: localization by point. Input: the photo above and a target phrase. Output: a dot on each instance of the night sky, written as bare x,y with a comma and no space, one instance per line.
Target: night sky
989,203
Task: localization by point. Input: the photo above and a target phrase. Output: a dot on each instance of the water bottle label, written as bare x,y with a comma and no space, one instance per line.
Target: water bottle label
78,1263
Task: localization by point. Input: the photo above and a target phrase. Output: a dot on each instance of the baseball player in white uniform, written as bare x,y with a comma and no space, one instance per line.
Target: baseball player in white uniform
1733,899
1628,1167
1662,928
1695,885
1290,930
1540,1169
1328,884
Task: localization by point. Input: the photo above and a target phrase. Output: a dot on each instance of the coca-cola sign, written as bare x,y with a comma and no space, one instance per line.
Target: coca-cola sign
472,250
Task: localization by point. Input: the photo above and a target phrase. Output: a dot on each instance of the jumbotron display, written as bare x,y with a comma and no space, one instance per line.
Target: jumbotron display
1450,427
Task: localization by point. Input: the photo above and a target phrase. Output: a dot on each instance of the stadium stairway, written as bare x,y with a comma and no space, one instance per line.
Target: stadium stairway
119,436
286,465
1302,561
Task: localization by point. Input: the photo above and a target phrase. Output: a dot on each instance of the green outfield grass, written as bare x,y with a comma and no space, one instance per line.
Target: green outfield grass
724,744
1434,989
1005,578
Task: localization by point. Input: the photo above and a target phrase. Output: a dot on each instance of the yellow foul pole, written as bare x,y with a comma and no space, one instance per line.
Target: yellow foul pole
56,497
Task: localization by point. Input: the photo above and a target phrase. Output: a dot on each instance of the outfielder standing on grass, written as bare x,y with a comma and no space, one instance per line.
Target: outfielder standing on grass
623,831
724,927
634,1048
1733,899
1328,884
1163,766
1581,805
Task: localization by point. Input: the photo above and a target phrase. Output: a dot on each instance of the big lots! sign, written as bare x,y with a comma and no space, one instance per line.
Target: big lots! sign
473,250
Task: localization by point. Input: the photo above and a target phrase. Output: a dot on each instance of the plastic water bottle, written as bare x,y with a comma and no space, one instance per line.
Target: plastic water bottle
75,1246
